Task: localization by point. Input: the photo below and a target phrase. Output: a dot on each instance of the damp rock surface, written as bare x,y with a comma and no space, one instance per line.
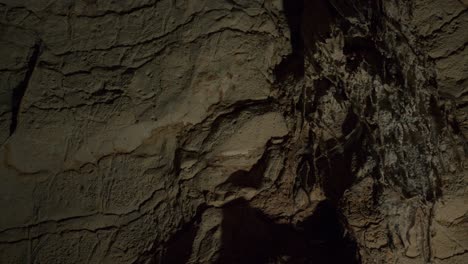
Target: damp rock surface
233,131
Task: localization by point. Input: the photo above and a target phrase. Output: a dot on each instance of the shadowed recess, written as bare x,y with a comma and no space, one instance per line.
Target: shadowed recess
248,236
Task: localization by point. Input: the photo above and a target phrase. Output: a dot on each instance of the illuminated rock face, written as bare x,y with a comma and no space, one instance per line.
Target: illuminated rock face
216,131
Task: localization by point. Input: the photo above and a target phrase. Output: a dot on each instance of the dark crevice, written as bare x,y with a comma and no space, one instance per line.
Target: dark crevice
178,248
437,114
293,10
251,237
350,123
317,23
455,125
325,233
20,90
293,64
363,50
107,93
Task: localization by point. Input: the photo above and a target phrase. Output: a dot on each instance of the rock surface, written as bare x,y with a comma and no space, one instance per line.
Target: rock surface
233,131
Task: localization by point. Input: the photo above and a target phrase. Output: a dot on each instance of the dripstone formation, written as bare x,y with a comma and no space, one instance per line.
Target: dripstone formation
233,131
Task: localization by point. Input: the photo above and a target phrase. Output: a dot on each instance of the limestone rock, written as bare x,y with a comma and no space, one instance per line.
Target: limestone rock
233,131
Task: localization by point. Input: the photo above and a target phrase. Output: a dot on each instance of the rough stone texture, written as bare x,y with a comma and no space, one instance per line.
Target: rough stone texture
233,131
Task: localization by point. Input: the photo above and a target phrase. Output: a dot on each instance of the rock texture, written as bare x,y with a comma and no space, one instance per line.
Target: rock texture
233,131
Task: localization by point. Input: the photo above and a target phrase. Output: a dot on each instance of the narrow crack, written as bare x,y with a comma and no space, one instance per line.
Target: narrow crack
20,90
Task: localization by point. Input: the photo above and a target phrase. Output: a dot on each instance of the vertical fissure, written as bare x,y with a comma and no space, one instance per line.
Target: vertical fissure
20,90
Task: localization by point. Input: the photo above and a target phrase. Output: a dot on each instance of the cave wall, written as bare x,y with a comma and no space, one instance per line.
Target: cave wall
233,131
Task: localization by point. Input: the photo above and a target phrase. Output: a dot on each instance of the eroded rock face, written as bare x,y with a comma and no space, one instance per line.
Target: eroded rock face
238,131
